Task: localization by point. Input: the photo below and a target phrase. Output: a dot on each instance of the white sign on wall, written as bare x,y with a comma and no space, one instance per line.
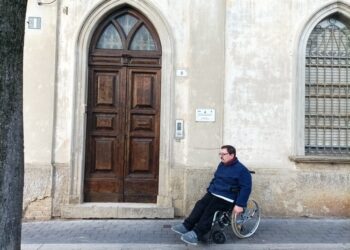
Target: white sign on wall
205,115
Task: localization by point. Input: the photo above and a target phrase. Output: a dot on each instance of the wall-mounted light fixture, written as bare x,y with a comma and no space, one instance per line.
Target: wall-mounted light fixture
40,2
65,10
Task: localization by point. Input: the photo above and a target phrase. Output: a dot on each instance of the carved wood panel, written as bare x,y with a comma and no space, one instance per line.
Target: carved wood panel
142,91
105,89
104,150
141,156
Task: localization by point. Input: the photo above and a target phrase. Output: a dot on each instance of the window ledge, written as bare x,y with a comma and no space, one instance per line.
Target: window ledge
320,159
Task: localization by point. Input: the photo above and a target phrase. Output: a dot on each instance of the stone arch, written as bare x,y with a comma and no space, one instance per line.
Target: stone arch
299,89
83,38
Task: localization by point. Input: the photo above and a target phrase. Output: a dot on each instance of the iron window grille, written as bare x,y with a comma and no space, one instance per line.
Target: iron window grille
327,84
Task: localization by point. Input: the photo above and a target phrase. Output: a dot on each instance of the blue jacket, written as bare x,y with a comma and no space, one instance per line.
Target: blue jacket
235,175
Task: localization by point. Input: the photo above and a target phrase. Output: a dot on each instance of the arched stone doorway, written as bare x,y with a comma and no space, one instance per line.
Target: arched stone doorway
123,110
75,207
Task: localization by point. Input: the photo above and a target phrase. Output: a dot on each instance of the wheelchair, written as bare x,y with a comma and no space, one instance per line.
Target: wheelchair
243,225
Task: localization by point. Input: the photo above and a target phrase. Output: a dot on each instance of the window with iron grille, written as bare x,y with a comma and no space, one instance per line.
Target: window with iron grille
327,87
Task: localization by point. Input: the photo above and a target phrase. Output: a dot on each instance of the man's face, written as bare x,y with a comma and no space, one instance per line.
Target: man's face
225,156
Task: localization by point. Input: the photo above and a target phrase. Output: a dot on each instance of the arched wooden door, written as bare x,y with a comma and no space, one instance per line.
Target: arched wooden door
122,134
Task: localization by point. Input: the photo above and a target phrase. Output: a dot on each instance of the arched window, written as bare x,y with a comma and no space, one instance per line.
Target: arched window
327,88
125,31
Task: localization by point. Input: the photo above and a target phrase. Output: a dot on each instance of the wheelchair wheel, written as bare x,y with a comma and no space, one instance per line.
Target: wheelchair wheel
219,237
245,224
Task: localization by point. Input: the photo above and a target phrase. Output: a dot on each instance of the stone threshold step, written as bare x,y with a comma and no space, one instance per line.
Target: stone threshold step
115,211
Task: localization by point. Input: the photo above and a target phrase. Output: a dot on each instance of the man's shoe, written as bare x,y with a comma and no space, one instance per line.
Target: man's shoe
190,238
179,228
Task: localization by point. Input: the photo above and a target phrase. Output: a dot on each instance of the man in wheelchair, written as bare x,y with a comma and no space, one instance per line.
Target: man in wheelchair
230,174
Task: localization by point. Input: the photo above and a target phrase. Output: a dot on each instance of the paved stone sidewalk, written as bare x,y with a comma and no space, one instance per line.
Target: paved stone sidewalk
156,234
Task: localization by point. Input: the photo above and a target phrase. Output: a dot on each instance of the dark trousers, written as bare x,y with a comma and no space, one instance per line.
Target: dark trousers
202,215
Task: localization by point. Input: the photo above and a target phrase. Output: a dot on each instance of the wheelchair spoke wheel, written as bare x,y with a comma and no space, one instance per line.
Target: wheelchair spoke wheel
245,224
219,237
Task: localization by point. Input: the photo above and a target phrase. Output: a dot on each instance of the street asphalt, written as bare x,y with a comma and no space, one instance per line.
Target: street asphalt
155,234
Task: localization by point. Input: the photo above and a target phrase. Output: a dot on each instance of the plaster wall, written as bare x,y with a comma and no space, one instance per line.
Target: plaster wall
39,72
193,45
261,37
262,54
39,83
240,57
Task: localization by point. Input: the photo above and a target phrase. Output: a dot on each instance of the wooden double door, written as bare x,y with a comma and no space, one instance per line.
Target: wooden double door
122,138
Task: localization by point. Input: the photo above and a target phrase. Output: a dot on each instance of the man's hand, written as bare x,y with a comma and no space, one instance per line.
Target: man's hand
237,210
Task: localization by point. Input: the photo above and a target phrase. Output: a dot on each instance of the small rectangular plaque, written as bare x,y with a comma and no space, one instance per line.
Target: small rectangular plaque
181,72
34,22
205,115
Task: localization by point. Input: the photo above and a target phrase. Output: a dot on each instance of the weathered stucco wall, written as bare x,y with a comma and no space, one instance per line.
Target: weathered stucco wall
240,57
262,39
305,192
39,72
37,192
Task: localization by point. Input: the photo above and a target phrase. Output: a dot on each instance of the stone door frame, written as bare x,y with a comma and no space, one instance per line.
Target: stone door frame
83,38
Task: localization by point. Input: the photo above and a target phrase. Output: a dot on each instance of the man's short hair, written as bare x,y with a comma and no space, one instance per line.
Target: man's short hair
230,149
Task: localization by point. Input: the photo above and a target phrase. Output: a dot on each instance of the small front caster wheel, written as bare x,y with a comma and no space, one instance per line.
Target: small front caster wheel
219,237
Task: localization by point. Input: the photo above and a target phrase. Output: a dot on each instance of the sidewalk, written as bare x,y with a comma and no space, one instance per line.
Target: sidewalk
156,234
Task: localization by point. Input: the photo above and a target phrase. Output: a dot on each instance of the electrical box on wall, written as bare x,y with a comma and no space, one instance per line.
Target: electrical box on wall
179,129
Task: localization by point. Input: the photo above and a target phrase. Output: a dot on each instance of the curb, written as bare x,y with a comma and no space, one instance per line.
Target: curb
131,246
